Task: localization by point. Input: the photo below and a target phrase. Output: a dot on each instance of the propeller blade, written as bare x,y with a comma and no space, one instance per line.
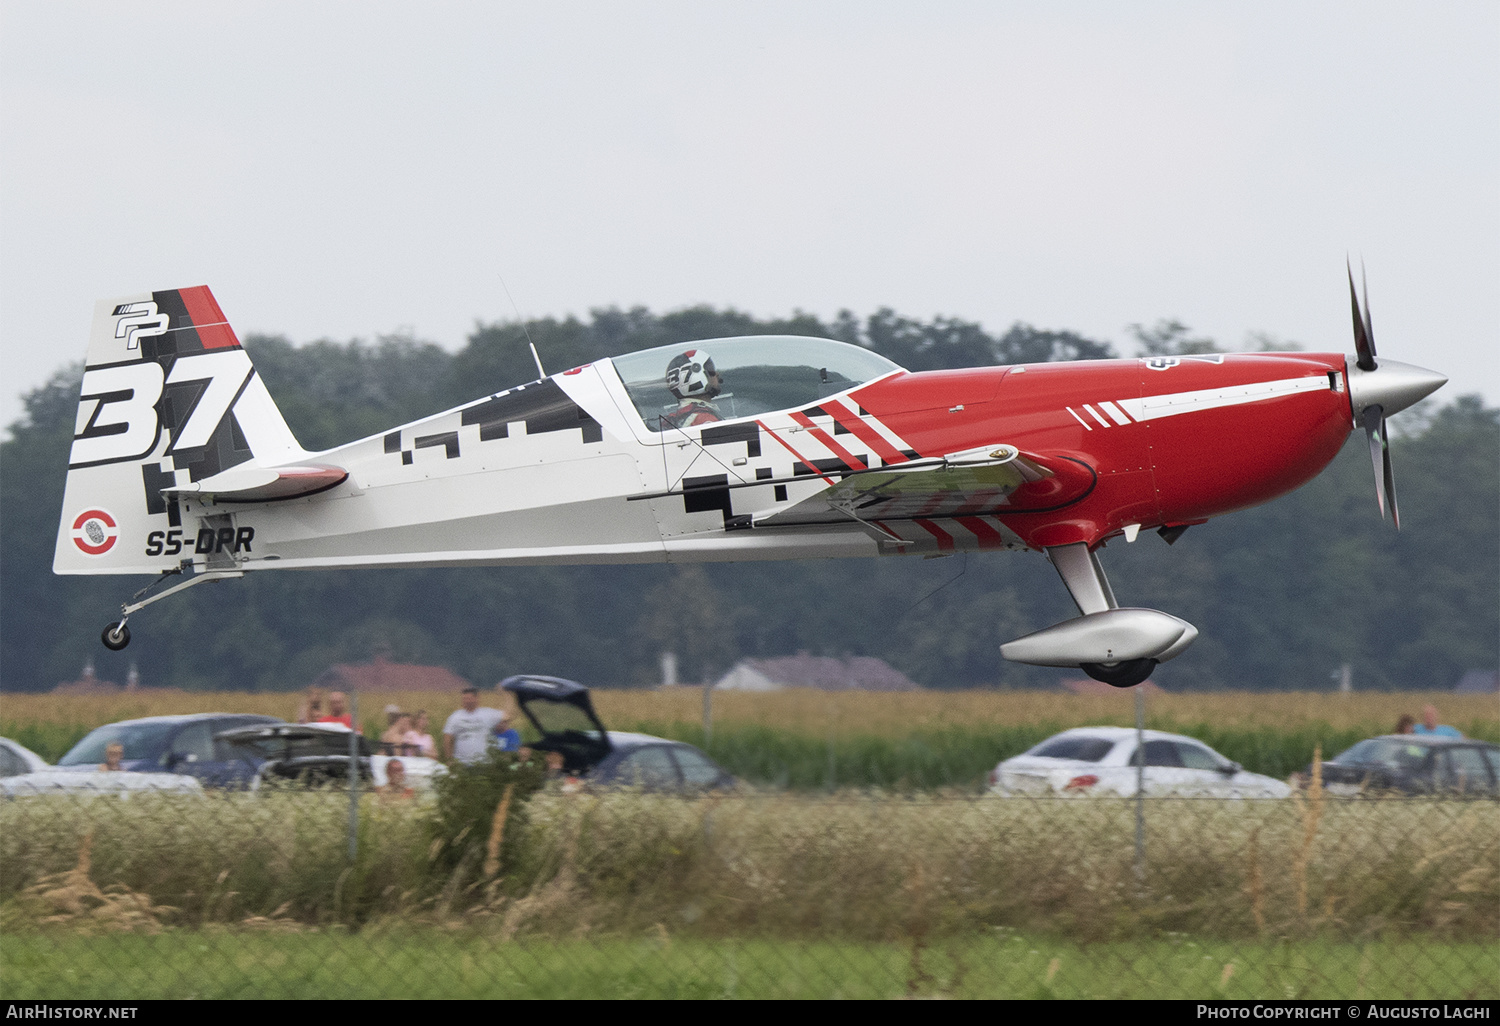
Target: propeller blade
1364,288
1374,423
1390,475
1363,344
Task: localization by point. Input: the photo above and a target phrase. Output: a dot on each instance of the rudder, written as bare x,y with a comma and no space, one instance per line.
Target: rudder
169,397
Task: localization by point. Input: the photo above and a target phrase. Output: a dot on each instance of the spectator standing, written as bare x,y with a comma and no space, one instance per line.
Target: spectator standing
471,730
506,735
338,710
311,707
394,740
1430,724
420,737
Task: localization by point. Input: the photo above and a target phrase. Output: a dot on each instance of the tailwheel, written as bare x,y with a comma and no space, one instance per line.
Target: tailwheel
116,636
1124,674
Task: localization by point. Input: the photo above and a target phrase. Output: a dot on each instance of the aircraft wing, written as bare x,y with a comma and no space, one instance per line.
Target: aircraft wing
994,479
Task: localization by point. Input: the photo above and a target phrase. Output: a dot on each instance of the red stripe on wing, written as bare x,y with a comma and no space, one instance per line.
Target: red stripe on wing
944,539
989,538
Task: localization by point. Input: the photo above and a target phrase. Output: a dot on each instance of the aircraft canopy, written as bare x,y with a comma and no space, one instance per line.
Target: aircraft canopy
760,373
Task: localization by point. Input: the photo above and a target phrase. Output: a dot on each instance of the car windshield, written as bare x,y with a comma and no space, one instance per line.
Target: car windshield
697,770
562,718
1080,749
274,746
1388,752
727,378
12,764
141,741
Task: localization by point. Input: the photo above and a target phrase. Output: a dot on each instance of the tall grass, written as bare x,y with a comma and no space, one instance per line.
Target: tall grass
849,866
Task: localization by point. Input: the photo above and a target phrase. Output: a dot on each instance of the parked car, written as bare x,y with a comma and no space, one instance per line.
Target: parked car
16,759
318,754
564,717
1104,760
1414,764
183,745
57,780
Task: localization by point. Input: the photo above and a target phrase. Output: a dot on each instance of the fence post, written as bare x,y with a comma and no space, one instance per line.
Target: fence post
1140,786
353,774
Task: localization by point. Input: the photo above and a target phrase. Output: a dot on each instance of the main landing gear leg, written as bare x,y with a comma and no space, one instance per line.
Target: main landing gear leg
1084,578
117,635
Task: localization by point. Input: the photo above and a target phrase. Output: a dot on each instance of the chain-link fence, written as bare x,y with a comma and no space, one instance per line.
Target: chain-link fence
748,894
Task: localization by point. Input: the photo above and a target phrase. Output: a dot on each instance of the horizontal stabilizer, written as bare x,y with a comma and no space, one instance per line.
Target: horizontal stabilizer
262,484
1113,636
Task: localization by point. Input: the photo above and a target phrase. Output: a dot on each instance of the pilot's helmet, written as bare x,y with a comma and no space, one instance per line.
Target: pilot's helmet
692,376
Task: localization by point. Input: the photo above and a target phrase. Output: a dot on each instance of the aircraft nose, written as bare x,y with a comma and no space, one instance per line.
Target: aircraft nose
1392,386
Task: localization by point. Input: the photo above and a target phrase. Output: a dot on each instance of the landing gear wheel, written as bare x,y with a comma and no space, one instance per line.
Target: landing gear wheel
1125,674
116,636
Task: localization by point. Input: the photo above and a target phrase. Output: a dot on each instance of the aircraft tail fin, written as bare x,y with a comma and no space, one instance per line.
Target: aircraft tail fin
169,397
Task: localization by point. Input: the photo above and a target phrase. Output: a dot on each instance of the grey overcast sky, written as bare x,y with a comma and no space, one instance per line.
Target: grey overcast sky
349,169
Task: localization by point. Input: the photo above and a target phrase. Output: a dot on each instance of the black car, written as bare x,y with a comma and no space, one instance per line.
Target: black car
174,744
1416,764
564,717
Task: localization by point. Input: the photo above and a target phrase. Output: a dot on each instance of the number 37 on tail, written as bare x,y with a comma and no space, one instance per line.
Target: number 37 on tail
763,447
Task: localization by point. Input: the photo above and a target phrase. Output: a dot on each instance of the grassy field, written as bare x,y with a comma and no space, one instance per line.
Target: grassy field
819,740
756,894
400,962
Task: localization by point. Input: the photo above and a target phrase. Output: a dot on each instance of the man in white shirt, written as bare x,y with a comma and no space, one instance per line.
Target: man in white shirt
470,731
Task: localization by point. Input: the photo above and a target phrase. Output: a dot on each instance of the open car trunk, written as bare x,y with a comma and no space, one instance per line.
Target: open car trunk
313,753
563,714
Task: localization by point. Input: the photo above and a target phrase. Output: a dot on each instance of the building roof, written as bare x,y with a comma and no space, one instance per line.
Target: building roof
1479,682
380,674
826,673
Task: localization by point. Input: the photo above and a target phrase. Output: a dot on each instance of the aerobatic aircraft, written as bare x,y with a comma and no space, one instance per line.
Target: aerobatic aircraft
761,447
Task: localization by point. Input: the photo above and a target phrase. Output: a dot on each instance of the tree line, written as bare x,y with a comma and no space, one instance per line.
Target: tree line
1283,594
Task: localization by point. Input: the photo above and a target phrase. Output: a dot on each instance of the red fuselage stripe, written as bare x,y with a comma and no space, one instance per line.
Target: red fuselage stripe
800,458
859,429
852,461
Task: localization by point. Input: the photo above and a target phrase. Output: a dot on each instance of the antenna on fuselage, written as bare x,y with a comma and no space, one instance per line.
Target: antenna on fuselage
539,372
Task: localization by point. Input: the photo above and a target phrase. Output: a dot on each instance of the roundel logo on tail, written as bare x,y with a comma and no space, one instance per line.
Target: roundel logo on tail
95,532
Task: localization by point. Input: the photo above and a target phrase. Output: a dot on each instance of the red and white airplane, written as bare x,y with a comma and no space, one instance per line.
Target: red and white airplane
762,447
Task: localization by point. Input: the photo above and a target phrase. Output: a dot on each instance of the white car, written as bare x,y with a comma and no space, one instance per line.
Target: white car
1102,760
23,772
16,759
54,780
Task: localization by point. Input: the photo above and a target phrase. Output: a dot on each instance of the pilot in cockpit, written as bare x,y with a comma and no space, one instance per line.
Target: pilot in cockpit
695,383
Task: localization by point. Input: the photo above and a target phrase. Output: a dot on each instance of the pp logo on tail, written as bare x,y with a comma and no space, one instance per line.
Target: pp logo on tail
138,321
95,532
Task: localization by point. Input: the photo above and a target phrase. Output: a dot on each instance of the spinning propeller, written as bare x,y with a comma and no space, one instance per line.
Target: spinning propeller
1379,389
